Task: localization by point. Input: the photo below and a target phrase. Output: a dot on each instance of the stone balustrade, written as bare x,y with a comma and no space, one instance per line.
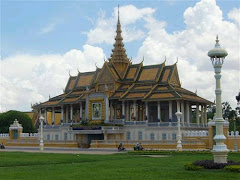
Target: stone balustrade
4,135
233,134
29,135
196,133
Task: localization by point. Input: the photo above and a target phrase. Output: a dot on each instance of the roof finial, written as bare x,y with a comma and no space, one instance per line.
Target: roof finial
78,70
196,92
118,11
176,61
49,96
69,73
96,65
165,59
217,39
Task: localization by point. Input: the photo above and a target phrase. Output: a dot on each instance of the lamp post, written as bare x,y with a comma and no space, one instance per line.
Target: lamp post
41,133
220,151
179,137
235,140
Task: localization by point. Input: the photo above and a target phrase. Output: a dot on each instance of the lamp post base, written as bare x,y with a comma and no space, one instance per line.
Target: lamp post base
41,146
220,156
179,145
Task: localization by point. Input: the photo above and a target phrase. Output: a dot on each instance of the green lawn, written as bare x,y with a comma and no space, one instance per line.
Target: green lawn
19,165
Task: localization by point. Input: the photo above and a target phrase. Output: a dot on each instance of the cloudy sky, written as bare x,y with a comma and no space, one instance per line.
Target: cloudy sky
41,41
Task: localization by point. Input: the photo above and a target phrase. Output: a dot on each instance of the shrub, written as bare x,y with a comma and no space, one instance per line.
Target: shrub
233,168
192,167
209,164
7,118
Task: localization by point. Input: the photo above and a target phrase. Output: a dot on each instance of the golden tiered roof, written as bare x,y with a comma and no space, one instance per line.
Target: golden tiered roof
125,81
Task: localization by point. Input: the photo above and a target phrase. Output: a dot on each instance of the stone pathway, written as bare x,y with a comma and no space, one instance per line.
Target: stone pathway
62,150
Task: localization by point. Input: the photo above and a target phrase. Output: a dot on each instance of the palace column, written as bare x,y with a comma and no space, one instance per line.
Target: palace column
80,111
106,109
202,114
86,109
182,111
127,112
197,114
71,113
115,111
123,110
187,113
134,110
205,114
45,116
170,110
61,114
146,107
159,111
67,113
53,116
111,108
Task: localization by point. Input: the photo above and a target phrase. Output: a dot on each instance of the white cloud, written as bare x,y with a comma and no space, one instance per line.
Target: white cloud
50,27
234,15
203,22
105,28
27,79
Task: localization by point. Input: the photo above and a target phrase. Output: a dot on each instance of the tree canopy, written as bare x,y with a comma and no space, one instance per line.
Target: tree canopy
7,118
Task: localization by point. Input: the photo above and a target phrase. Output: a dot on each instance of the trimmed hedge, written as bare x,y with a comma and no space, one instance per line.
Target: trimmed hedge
164,152
192,167
233,168
209,164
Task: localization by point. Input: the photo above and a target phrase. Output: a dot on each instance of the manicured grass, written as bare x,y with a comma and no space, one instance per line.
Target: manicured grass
19,165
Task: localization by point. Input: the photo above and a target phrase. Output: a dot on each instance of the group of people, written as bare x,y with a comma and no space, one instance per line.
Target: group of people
2,146
121,148
138,147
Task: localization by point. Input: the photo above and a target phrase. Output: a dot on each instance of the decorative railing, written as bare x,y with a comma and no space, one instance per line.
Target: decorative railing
4,135
28,134
232,134
154,124
196,133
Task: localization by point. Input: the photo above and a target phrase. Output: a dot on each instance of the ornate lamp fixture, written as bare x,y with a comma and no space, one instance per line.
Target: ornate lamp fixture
220,151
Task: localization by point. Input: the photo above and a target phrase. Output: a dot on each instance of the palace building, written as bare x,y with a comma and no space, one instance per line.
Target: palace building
124,102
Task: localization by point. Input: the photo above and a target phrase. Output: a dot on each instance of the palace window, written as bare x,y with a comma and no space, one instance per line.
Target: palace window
48,137
174,136
128,135
65,136
152,136
164,136
56,137
139,135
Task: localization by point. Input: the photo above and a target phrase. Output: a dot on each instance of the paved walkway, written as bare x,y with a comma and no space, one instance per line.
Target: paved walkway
61,150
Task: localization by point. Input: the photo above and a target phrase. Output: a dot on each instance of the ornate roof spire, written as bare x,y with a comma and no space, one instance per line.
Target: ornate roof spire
119,52
119,57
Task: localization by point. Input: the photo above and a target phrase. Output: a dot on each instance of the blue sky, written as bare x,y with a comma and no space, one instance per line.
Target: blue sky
22,22
41,41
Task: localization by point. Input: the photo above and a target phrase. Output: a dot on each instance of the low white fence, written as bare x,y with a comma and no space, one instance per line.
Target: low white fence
233,134
29,135
196,133
4,135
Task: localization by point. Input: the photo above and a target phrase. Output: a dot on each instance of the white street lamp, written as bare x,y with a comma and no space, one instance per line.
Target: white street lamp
41,119
179,137
220,151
